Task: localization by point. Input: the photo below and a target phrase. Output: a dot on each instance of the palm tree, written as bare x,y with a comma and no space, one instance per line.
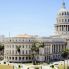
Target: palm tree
18,49
64,55
33,52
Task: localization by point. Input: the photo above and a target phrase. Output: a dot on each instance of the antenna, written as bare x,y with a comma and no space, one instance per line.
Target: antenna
9,34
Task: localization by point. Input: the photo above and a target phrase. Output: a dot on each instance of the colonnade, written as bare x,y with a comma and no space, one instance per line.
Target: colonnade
62,28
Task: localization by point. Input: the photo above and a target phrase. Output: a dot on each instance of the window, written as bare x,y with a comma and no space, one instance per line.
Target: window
29,57
16,52
23,40
12,51
16,40
65,20
10,40
23,58
12,58
62,27
26,58
65,13
23,52
29,40
59,20
15,58
9,57
19,58
12,46
68,27
26,51
68,20
62,13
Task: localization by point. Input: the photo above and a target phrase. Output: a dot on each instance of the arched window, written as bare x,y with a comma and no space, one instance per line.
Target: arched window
62,13
15,58
65,13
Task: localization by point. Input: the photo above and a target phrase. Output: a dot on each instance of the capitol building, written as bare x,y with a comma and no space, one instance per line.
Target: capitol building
53,45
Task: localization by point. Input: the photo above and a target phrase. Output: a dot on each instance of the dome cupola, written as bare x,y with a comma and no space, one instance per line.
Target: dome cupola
63,11
62,25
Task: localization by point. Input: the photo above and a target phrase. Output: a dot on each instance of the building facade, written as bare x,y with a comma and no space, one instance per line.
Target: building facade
53,45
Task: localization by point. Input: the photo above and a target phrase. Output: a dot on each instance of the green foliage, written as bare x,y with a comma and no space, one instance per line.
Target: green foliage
42,44
18,48
68,67
65,53
1,47
19,66
52,66
35,49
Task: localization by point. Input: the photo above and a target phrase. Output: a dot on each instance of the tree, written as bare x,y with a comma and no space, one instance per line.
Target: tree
1,51
1,47
64,55
42,44
35,51
18,49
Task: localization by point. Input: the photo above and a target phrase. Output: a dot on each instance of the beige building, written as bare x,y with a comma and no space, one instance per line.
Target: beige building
53,45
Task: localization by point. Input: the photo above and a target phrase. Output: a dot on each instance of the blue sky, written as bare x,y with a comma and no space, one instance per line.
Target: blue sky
35,17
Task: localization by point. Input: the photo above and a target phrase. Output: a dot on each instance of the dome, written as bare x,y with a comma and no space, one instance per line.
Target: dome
63,11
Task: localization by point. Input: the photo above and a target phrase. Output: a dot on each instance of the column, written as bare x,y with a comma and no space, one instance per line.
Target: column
60,28
58,48
66,27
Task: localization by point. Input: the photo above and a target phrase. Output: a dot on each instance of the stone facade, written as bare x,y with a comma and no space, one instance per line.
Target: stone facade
53,45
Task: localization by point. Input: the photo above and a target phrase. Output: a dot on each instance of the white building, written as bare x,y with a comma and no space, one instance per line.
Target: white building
53,45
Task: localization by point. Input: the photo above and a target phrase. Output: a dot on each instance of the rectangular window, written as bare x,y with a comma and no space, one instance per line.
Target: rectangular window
65,20
29,57
23,52
22,58
12,58
68,20
68,27
26,51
